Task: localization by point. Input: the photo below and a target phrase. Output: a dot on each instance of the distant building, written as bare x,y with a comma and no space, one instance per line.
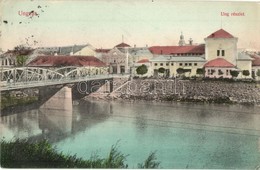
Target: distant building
84,50
91,64
188,57
11,57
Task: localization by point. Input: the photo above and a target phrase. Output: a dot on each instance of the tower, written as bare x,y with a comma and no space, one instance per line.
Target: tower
181,41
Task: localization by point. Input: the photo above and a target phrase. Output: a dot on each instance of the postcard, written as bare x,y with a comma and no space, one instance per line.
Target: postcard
164,84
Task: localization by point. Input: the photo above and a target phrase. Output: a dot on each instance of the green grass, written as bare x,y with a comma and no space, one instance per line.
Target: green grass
23,154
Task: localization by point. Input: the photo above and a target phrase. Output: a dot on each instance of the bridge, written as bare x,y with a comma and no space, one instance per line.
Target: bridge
50,84
29,77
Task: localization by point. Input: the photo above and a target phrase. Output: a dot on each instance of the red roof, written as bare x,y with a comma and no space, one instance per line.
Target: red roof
121,45
256,60
60,61
143,61
218,62
166,50
102,50
220,34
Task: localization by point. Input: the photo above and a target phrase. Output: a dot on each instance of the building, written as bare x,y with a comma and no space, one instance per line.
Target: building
90,64
222,56
255,66
188,57
16,57
172,63
84,50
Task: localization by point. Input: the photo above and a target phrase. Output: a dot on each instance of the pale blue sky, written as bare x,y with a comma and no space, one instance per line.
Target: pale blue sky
103,22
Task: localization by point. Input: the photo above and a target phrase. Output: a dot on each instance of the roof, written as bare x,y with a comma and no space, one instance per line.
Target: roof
60,61
65,50
102,50
243,56
218,62
122,45
178,59
221,34
190,49
140,51
143,61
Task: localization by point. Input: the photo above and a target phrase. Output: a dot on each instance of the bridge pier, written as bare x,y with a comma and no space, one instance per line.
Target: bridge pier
62,100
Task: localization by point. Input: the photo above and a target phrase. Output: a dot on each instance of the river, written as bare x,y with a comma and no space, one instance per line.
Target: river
184,135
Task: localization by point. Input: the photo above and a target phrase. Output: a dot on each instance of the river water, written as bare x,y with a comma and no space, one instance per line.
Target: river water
184,135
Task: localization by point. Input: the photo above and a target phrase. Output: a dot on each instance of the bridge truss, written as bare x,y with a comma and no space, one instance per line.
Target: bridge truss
18,75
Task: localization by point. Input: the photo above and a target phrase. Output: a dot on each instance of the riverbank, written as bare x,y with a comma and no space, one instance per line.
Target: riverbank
23,154
186,91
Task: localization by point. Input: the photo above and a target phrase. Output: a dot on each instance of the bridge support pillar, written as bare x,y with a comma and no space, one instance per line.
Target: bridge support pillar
62,100
111,88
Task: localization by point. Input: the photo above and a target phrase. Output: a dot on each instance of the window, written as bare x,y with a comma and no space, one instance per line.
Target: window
218,52
223,52
161,64
212,72
209,73
186,64
195,64
155,64
172,64
227,71
189,64
167,64
180,64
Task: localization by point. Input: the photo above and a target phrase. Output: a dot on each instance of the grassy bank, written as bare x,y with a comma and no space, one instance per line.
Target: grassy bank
22,154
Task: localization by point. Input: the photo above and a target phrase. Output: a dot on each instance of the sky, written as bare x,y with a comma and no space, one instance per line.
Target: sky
141,22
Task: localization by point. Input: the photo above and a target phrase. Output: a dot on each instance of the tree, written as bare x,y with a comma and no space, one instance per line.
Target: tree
200,71
22,53
258,73
142,69
161,70
234,73
21,60
246,72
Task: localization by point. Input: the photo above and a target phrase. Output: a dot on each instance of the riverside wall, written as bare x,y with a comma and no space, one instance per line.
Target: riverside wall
189,91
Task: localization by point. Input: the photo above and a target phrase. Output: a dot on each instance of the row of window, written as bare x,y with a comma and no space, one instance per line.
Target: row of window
219,72
180,64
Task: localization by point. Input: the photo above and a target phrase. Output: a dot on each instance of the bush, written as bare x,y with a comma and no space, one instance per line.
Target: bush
23,154
142,69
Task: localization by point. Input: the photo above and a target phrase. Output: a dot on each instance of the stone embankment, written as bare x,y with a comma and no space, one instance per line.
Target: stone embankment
189,91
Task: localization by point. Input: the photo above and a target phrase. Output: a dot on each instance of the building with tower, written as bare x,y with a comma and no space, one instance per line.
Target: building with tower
222,56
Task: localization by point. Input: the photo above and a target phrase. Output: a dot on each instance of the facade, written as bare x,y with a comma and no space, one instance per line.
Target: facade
171,63
188,57
221,48
115,60
255,65
218,67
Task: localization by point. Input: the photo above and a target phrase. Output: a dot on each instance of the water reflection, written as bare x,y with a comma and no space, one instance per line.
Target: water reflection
53,124
184,135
